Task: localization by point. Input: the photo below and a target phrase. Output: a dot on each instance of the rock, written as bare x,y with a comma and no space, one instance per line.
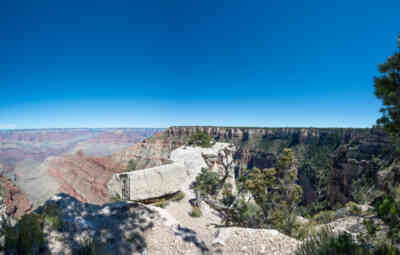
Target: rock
357,160
84,177
253,241
187,163
121,228
301,220
14,200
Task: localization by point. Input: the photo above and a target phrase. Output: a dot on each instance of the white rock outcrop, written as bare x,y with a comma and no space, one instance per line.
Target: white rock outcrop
187,163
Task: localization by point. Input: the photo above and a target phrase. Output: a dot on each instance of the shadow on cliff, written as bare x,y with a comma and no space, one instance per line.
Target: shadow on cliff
114,228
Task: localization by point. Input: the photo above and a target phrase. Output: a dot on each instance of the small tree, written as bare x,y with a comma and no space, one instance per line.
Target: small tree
206,183
276,191
200,139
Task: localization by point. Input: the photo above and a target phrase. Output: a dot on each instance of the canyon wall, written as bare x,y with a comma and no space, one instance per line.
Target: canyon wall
38,163
324,171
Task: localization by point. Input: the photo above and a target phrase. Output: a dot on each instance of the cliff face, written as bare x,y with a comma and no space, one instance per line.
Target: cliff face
259,147
325,156
359,164
315,150
151,152
83,177
242,134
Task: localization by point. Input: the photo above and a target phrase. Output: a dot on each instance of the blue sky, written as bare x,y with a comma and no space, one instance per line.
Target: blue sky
160,63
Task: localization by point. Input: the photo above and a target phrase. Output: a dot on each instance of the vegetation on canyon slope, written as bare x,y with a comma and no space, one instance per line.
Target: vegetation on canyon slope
387,206
200,139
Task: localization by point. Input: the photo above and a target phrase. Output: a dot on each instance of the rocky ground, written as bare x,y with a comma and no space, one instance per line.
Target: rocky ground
183,234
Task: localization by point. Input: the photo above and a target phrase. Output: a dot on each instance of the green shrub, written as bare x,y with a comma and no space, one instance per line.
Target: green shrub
353,208
116,198
207,182
52,215
196,212
132,165
246,214
327,242
302,231
388,210
200,139
178,197
162,203
27,237
324,217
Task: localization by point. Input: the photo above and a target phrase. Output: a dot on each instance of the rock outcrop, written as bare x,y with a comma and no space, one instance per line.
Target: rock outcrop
187,163
359,160
134,228
151,152
13,199
117,228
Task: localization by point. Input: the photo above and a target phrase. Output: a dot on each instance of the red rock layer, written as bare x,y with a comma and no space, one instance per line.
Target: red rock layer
84,177
15,200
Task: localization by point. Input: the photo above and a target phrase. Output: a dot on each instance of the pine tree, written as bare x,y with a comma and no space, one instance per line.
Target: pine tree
277,192
387,88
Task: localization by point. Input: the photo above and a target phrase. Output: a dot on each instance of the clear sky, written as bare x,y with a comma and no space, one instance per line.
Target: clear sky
160,63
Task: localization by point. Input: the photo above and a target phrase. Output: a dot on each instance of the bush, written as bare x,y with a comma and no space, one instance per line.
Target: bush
178,197
52,215
27,237
200,139
227,197
245,214
132,165
327,242
324,217
388,210
206,183
116,198
354,209
162,203
196,212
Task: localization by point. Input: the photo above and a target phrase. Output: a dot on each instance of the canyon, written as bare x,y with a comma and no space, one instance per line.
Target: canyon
319,153
87,185
81,162
41,162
